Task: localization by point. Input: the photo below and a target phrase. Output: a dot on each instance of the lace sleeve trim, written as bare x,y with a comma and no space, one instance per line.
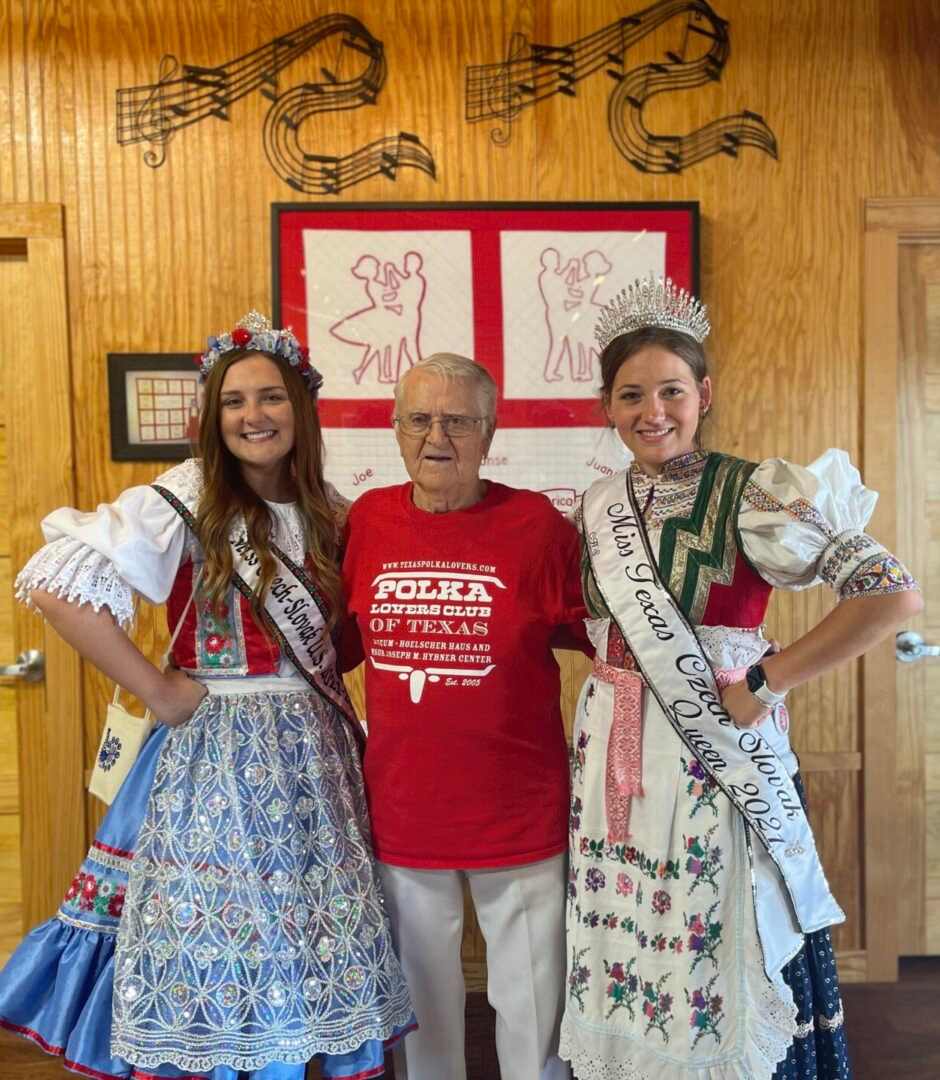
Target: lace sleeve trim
75,572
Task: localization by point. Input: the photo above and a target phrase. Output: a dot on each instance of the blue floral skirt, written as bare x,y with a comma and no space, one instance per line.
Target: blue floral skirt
226,918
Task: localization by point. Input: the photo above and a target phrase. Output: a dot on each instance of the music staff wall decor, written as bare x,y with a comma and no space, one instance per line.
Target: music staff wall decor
532,73
153,114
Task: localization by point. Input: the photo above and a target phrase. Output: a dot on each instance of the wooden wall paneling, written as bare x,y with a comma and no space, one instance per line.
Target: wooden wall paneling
159,257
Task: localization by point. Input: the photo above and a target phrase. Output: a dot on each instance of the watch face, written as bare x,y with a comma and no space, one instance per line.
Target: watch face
755,678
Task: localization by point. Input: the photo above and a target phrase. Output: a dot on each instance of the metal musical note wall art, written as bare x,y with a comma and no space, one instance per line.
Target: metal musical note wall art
531,73
185,95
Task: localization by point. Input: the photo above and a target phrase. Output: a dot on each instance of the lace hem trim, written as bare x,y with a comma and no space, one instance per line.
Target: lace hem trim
288,1050
769,1033
833,1023
110,861
80,924
77,573
826,1023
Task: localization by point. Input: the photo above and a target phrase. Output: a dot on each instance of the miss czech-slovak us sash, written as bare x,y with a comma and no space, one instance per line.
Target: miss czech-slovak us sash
293,610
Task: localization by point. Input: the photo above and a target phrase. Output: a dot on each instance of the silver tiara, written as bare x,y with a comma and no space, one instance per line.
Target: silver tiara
652,301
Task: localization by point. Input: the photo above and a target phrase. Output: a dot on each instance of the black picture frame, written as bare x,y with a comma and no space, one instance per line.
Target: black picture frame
135,435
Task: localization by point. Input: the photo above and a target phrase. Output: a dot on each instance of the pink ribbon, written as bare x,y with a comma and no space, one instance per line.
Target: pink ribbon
623,777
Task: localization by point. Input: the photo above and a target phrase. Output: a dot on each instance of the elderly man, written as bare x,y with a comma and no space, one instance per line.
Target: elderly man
457,586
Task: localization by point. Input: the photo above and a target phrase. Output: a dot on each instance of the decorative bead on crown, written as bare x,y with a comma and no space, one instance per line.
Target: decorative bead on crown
254,331
652,301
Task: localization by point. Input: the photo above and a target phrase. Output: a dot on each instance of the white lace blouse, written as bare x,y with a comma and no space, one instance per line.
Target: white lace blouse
134,546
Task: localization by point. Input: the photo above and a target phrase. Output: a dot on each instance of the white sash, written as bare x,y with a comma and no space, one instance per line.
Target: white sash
294,612
670,658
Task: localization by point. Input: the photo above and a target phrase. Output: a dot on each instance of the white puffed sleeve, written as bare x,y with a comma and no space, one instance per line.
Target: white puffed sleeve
799,525
131,547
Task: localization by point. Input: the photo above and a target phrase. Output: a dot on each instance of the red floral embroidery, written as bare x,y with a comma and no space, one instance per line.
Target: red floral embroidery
101,896
215,643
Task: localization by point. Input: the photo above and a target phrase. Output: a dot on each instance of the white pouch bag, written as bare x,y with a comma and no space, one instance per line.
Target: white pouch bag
124,734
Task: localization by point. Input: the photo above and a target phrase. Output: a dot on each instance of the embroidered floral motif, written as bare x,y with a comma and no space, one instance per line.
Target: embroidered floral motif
661,902
578,977
627,855
703,861
660,943
800,509
623,986
217,645
572,883
99,895
701,786
707,1012
882,573
594,879
578,752
593,920
657,1006
574,818
704,936
842,553
109,751
624,885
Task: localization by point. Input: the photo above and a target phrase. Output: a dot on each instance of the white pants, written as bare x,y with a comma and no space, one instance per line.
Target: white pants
521,912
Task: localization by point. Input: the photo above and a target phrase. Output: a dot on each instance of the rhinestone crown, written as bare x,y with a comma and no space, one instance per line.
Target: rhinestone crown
652,301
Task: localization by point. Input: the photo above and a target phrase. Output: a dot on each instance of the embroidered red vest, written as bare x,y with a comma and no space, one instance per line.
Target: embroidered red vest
211,647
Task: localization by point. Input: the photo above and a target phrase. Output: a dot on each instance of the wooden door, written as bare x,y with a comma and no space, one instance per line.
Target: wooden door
901,433
918,679
42,806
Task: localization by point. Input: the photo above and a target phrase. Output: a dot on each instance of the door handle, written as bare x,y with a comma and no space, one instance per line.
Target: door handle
30,665
910,646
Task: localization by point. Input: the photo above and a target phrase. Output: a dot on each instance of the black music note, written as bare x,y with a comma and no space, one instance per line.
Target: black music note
152,114
524,79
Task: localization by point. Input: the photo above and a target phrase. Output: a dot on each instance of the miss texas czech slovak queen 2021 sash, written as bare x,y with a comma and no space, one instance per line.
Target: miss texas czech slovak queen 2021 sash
673,665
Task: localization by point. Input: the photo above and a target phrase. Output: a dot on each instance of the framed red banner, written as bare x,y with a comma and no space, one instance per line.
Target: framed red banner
371,288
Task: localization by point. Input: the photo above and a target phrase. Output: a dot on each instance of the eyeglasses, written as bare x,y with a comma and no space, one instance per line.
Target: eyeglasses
455,425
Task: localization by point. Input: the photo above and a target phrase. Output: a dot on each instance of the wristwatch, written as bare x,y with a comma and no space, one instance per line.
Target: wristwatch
757,684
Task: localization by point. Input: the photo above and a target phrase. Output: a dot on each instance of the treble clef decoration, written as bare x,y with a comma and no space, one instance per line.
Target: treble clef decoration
500,92
153,114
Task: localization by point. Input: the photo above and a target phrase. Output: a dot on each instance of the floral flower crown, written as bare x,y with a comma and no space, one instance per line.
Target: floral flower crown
254,331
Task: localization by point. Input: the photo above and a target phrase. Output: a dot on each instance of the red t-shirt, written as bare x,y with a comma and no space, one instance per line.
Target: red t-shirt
466,764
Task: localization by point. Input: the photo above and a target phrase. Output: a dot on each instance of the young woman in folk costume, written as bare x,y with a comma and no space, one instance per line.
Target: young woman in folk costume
698,946
226,917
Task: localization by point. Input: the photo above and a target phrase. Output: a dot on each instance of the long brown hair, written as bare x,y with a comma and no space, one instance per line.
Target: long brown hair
226,494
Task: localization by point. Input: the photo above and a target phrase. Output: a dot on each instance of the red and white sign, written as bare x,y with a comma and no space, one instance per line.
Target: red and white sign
518,287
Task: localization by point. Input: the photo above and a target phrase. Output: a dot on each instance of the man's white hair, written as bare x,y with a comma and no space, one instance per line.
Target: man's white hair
451,366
